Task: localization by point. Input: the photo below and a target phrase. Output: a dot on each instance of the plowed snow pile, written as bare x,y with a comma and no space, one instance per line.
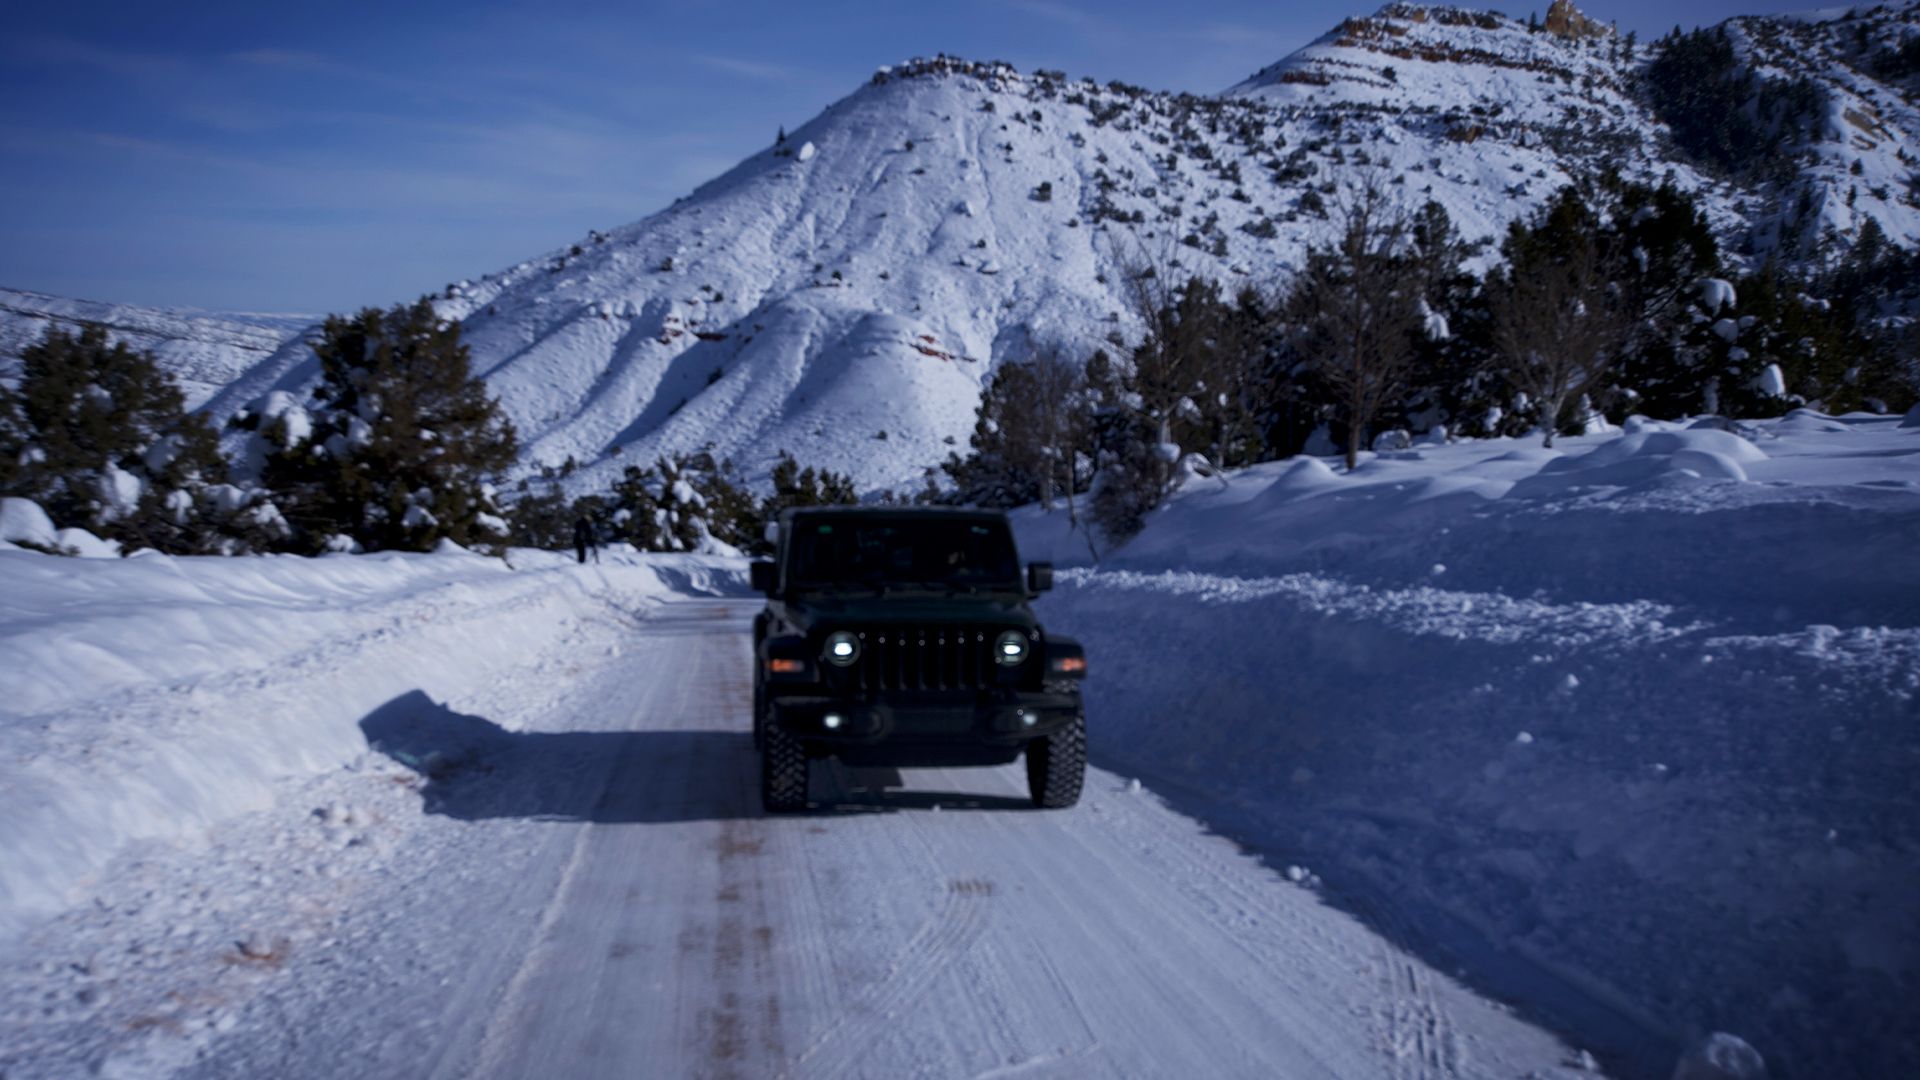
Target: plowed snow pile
150,698
1626,728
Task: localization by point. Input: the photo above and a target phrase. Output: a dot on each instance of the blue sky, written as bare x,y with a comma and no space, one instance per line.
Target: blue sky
320,157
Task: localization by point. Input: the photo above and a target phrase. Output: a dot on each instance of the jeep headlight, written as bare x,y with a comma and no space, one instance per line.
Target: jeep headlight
1010,648
843,648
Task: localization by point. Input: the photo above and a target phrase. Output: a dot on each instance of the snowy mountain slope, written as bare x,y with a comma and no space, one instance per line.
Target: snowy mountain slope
819,297
843,296
1572,88
205,351
1865,161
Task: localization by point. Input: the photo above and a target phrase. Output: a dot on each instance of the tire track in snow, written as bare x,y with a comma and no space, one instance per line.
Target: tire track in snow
945,936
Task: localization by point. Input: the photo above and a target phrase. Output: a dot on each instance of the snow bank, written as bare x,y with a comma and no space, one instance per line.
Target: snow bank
22,521
148,698
1601,717
1640,457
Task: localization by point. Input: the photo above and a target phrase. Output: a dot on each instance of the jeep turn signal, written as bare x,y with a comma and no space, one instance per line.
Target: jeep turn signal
786,667
1070,665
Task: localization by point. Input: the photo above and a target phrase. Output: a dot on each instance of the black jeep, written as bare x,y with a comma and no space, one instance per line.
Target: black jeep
902,637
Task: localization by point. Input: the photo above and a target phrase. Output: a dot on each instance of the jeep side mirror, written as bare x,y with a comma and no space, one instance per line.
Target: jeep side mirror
762,575
1039,577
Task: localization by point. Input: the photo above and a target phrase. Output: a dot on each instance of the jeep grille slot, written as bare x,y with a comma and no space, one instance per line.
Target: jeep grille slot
924,658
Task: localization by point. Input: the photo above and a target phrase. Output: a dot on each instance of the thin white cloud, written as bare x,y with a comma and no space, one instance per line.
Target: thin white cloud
751,69
1064,14
60,51
1240,36
285,60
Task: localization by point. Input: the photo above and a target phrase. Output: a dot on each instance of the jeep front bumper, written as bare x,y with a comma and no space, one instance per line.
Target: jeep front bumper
1004,718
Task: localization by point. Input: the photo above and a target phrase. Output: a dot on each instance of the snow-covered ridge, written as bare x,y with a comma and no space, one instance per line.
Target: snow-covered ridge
204,351
843,296
1363,55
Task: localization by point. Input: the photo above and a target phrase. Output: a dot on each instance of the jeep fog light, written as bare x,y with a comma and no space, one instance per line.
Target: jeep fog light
1010,648
1027,719
842,648
832,721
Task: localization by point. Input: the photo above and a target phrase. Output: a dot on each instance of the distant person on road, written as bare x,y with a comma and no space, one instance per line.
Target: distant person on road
583,541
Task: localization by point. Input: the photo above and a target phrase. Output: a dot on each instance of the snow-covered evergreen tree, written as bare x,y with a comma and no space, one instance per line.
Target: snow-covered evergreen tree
1030,439
397,446
1560,319
99,436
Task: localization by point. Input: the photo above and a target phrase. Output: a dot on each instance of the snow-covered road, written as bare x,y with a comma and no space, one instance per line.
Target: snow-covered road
586,887
1600,735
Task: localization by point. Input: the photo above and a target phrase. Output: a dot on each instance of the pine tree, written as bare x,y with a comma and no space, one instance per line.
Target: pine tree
1453,382
1130,467
1354,312
397,446
684,503
1029,436
1559,322
99,435
1674,360
794,486
544,518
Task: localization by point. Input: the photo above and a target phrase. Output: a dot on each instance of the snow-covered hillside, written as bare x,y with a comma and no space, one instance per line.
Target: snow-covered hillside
204,351
844,295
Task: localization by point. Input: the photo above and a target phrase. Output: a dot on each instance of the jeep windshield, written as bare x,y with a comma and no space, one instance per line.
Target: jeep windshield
966,555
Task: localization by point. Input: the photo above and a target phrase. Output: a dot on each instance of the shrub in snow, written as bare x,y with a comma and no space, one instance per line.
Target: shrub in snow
100,437
396,446
684,503
794,486
1792,348
1397,439
1721,1056
23,522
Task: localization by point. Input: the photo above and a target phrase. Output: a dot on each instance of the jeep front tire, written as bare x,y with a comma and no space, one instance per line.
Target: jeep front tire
783,771
1057,766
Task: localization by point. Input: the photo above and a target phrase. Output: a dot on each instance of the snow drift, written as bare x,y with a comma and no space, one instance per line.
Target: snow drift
152,697
1632,718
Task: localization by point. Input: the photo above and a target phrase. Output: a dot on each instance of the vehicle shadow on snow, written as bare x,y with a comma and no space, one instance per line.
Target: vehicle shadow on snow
472,769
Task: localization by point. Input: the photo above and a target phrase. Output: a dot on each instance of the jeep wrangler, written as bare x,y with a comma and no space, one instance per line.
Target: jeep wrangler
903,637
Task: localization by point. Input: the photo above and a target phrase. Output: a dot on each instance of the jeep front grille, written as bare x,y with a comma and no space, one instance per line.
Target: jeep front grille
924,658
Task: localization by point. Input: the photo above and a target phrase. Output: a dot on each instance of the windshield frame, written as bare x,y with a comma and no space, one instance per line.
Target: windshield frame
908,559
